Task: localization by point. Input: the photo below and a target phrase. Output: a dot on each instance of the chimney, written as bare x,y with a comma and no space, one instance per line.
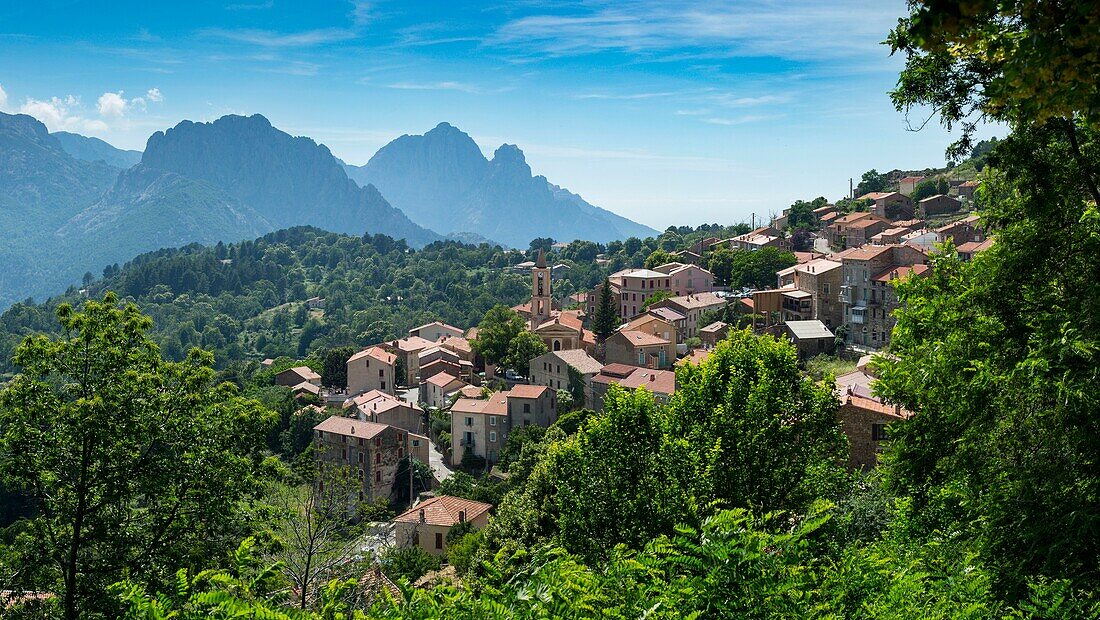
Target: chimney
461,516
422,519
653,377
352,429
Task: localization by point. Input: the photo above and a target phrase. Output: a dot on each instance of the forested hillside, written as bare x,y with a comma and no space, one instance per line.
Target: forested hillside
246,300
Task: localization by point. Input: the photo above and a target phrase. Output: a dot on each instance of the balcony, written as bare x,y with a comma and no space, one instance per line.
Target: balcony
859,315
845,296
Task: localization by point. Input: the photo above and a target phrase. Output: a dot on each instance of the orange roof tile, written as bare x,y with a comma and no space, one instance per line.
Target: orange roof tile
339,425
527,391
443,510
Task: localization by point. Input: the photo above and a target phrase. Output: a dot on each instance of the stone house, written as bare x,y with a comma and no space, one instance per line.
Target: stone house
937,205
660,383
382,408
814,296
481,427
864,422
373,368
552,370
714,333
908,185
890,205
299,374
863,291
436,331
427,524
406,349
439,388
692,307
371,451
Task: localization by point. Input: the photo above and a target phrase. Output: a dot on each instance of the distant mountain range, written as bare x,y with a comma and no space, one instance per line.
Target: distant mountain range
71,204
443,181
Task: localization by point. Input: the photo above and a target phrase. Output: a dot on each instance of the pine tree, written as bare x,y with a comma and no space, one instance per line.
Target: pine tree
607,316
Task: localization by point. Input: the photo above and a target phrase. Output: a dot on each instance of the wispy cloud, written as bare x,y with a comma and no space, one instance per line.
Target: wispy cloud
446,85
742,120
699,112
627,96
250,6
797,29
273,39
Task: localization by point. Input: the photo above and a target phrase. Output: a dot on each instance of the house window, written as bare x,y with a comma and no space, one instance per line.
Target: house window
377,442
469,421
377,458
527,407
400,453
360,457
416,443
360,441
383,385
492,435
416,537
878,432
439,540
641,358
378,476
492,421
344,454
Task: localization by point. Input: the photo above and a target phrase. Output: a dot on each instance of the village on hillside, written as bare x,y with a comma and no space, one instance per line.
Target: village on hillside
448,403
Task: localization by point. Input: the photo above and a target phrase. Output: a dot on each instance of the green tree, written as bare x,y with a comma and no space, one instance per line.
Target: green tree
657,258
871,181
755,269
656,297
136,463
523,348
746,404
923,190
334,366
495,333
802,214
606,317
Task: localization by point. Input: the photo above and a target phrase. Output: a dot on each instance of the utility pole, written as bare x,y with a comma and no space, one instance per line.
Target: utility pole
851,190
408,449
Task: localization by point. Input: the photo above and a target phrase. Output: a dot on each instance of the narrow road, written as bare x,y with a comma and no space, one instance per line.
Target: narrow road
436,460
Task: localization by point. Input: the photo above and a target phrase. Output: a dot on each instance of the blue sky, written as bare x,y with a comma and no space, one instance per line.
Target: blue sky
666,112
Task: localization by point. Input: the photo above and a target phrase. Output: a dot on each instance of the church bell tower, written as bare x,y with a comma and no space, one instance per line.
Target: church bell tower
540,292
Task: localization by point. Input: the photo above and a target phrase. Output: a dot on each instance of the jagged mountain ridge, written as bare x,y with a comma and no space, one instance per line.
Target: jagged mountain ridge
441,179
94,149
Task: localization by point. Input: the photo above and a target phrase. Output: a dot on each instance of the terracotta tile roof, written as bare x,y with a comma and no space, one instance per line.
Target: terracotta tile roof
852,217
864,252
471,391
715,327
694,301
867,404
971,247
497,404
656,381
901,272
818,266
667,314
457,344
306,386
443,379
376,401
433,324
868,222
696,356
805,257
527,391
377,353
642,339
912,179
443,510
305,372
411,344
579,359
828,217
747,302
339,425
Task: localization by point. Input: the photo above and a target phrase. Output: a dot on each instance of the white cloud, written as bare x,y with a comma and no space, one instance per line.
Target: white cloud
270,38
112,104
3,98
798,29
62,114
444,85
154,95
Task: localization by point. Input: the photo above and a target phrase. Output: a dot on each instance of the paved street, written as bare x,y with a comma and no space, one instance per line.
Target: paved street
438,464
